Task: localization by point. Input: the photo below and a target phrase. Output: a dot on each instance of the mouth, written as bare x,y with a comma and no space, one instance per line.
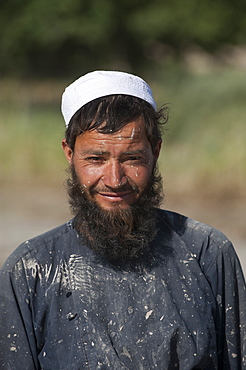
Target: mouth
116,197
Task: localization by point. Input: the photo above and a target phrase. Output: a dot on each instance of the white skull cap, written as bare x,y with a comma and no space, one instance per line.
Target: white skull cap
97,84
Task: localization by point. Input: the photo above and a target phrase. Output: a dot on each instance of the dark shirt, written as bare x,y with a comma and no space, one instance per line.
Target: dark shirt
181,306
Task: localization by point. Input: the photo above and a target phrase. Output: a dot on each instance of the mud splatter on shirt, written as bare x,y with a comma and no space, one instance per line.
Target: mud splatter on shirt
182,305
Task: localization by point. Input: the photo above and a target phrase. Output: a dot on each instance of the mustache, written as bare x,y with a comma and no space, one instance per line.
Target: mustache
104,189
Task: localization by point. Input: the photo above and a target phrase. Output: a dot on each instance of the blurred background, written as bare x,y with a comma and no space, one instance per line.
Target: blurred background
192,53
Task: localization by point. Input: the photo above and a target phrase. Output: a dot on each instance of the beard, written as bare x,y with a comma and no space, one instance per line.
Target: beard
118,234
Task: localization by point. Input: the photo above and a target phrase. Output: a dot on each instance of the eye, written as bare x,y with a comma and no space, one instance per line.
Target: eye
94,159
134,158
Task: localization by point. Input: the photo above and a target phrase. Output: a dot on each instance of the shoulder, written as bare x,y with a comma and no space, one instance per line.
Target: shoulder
205,242
41,247
184,226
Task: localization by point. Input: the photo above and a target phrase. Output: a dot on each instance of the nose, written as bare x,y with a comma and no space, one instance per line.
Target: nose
114,175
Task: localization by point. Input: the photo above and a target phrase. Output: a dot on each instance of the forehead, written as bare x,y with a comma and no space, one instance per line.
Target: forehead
133,133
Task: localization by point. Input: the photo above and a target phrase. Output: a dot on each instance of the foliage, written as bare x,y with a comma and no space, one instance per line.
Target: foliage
68,37
204,148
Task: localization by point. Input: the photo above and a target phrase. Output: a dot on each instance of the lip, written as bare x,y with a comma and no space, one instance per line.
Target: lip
116,196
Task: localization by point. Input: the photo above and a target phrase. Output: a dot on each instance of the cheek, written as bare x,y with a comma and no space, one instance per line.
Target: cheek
88,176
139,175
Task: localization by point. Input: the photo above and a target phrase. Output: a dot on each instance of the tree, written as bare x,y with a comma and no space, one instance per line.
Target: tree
62,37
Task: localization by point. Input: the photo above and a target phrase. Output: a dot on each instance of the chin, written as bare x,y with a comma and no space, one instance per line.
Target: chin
114,206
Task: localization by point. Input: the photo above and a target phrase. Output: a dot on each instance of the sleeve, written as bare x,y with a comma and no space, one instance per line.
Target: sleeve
17,340
227,281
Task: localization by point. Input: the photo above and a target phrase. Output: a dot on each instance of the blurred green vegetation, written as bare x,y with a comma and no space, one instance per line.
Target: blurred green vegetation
204,147
192,53
68,37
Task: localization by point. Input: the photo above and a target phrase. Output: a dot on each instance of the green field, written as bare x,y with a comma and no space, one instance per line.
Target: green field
204,149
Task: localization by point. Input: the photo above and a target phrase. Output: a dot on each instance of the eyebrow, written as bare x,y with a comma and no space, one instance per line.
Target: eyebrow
103,152
138,151
94,152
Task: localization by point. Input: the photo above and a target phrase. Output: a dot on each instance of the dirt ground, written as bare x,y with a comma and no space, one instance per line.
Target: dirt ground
28,212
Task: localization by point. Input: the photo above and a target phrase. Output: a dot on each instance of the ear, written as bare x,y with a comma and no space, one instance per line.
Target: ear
157,149
67,151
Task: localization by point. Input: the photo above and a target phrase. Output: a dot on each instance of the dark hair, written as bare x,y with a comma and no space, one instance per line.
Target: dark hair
109,114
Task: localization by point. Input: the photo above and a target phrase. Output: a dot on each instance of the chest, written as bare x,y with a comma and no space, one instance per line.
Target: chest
97,317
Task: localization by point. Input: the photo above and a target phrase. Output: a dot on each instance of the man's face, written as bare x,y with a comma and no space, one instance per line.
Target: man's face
113,169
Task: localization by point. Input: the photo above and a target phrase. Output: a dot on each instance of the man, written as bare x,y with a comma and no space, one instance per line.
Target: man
124,285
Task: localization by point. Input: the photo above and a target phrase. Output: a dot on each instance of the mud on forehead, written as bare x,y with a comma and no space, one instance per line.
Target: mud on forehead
132,133
129,130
